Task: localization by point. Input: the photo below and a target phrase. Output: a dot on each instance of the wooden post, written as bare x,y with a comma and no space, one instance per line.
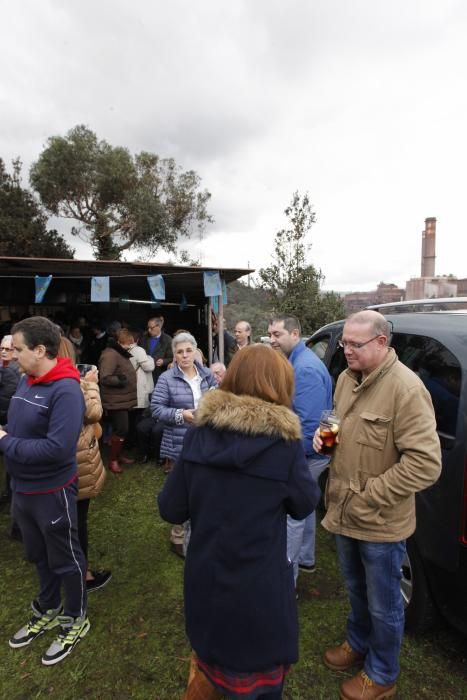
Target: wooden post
209,331
220,329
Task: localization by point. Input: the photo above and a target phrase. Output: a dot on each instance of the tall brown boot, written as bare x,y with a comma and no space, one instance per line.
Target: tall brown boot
199,688
116,446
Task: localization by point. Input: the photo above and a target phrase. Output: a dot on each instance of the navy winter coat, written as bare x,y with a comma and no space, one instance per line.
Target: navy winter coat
172,394
241,471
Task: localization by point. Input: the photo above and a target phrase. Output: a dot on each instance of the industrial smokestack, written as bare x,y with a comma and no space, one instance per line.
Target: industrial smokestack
429,248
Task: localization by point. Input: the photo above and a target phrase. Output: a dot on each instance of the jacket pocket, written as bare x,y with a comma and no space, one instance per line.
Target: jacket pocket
356,511
373,430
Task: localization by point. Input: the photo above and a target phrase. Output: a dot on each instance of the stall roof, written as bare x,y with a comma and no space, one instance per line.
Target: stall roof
128,278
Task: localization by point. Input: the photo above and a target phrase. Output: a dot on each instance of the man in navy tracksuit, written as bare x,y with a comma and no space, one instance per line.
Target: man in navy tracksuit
39,445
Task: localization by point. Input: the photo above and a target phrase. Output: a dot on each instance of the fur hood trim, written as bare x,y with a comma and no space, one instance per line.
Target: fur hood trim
247,414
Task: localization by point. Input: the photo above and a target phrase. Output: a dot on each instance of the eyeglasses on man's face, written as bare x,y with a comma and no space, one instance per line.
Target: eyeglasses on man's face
4,349
354,346
151,328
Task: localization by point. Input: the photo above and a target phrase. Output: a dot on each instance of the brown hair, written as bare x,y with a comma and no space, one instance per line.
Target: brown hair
66,349
125,336
259,371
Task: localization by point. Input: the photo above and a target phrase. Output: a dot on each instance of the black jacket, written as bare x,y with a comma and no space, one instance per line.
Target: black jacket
241,471
162,352
9,378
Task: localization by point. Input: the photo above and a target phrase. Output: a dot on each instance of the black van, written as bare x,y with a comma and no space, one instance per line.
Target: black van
434,346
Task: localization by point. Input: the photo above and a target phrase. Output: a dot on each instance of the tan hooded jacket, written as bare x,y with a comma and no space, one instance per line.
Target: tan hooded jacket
91,472
388,450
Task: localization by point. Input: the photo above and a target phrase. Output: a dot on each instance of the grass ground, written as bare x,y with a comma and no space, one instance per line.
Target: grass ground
137,647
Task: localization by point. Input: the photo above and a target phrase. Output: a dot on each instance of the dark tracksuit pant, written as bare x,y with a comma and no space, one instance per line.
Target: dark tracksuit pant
48,523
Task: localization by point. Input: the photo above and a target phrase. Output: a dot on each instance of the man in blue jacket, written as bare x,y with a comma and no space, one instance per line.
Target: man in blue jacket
39,445
313,394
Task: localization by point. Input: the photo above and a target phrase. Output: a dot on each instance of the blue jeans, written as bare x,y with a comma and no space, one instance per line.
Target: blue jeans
301,534
375,626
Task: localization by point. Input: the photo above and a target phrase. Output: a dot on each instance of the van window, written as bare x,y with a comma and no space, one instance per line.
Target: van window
319,346
439,370
337,365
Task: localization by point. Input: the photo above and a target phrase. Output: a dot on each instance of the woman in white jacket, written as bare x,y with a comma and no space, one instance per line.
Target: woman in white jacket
144,365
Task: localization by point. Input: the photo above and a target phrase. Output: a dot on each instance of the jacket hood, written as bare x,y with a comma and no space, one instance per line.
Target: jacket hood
241,432
64,369
248,415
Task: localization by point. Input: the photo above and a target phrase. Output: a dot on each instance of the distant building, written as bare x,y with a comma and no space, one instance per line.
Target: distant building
383,294
431,287
356,301
427,286
387,293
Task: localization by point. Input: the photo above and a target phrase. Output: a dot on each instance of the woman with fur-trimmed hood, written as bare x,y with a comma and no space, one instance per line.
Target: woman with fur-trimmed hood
241,471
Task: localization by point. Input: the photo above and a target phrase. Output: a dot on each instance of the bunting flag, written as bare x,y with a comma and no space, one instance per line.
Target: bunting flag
215,300
212,284
183,303
42,285
157,286
100,289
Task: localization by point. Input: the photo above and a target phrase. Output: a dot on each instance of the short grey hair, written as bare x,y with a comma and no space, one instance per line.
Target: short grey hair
378,323
183,338
247,325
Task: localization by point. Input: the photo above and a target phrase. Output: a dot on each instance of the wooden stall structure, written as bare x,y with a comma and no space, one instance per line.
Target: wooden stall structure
68,296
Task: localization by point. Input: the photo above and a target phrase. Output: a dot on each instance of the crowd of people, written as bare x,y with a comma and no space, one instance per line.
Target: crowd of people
241,446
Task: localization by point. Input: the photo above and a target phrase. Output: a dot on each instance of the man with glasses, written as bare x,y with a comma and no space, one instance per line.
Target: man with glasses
388,450
158,345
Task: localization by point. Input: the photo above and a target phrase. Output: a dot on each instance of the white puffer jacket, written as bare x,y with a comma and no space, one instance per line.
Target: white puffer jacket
144,365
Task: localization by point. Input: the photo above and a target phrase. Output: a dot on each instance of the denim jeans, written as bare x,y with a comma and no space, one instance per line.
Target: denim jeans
301,534
375,626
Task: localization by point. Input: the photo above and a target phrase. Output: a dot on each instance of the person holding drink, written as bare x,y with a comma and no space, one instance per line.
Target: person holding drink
387,449
328,431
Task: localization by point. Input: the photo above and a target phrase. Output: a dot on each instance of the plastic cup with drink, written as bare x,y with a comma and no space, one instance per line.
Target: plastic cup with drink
328,430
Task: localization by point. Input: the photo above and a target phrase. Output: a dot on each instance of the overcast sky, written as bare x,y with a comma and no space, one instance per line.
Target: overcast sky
361,103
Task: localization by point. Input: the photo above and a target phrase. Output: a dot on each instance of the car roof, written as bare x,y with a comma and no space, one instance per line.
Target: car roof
447,327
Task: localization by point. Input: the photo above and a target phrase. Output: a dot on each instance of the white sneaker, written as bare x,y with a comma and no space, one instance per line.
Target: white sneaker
72,630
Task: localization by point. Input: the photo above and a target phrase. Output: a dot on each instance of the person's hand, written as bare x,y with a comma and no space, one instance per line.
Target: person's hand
2,434
122,379
188,415
92,375
159,362
317,442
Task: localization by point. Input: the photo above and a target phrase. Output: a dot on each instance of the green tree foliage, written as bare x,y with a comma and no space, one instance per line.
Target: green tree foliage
23,224
250,304
120,201
292,283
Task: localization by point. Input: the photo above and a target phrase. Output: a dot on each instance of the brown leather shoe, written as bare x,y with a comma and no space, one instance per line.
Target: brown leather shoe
177,549
361,687
343,657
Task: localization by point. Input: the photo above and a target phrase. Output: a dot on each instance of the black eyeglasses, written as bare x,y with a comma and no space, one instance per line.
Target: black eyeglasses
354,346
7,349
